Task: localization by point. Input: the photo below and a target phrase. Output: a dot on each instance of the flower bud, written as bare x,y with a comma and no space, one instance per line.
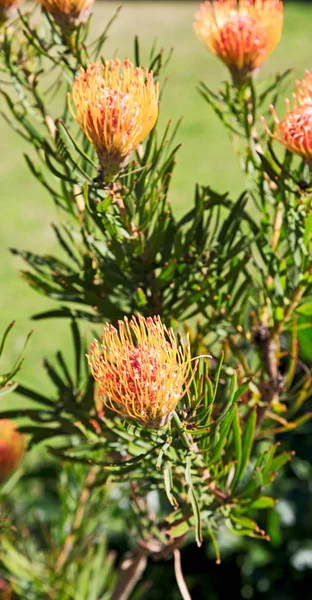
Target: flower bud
68,14
12,448
116,106
242,33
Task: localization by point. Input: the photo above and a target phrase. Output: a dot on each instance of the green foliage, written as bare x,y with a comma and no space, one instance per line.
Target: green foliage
202,461
241,267
66,557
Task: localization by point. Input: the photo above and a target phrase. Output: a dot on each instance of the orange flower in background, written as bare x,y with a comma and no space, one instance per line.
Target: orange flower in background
242,33
8,8
12,448
141,369
116,106
294,132
68,14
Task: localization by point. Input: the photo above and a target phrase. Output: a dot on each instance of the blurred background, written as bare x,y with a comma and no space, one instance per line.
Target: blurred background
206,156
281,569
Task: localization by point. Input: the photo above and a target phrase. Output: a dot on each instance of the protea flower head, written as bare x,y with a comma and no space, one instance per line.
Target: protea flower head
294,132
68,14
141,369
12,448
242,33
116,106
8,8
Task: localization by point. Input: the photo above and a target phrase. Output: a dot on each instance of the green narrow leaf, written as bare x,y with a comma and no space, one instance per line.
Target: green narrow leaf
70,140
279,461
141,297
217,376
305,309
55,172
181,529
137,51
248,438
168,485
64,244
221,434
5,335
197,516
245,522
32,395
194,503
267,466
162,451
240,391
215,545
237,438
263,502
77,346
37,173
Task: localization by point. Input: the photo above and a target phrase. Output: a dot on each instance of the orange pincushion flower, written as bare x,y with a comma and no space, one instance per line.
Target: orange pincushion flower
8,8
242,33
294,132
141,369
12,448
116,106
68,14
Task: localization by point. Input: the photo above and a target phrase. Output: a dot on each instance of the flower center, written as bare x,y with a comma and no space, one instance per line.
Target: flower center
145,375
242,42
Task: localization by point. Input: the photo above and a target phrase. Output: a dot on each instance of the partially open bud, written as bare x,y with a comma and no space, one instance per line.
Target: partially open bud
116,106
12,448
68,14
141,369
242,33
294,132
8,8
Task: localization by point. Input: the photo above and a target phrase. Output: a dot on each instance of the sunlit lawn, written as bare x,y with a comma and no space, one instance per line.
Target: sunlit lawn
206,155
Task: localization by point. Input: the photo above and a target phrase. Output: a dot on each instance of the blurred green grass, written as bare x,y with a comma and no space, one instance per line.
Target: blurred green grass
206,156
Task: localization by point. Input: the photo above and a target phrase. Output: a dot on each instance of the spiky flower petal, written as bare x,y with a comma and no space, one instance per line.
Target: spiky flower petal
8,8
141,369
294,132
242,33
116,106
12,448
303,91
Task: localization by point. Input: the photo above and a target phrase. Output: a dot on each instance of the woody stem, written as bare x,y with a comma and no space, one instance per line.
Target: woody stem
131,570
